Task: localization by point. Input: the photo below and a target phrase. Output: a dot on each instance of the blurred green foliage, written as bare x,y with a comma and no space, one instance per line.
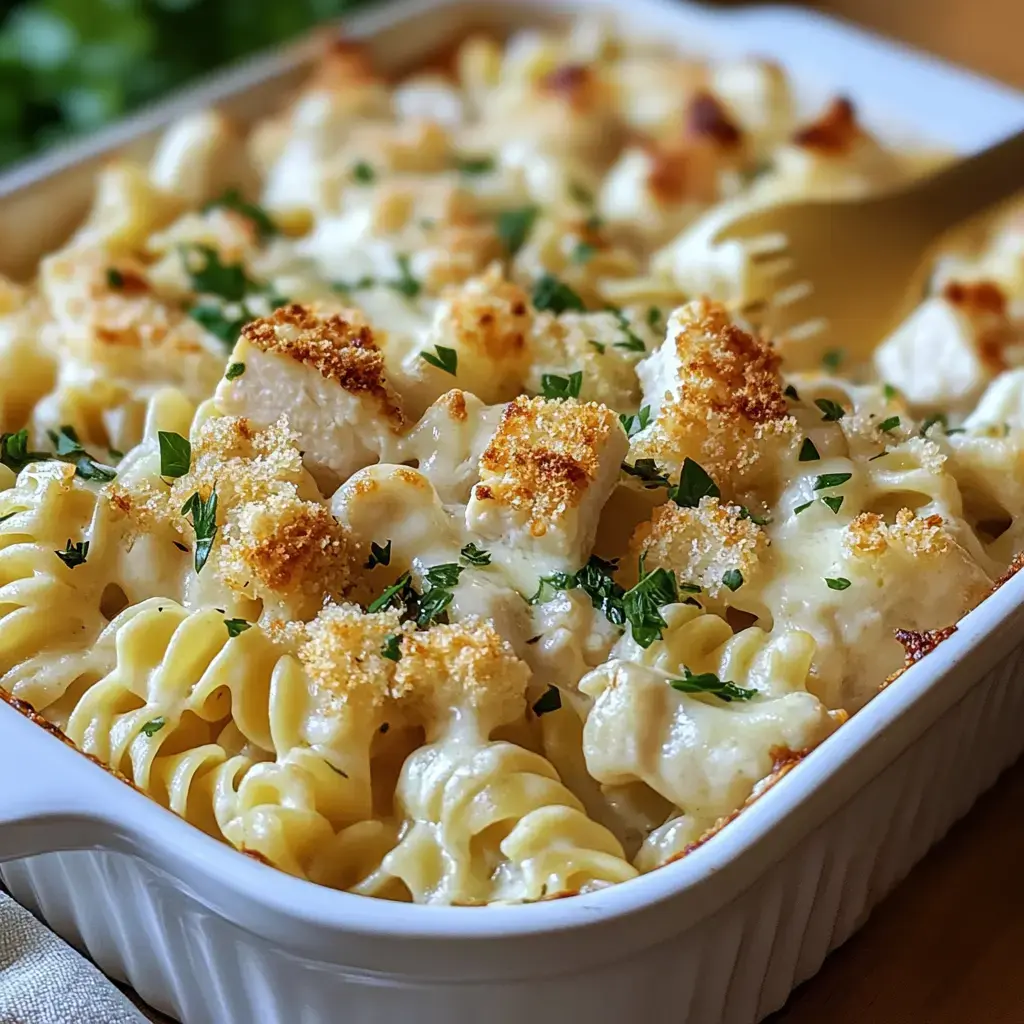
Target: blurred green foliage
68,66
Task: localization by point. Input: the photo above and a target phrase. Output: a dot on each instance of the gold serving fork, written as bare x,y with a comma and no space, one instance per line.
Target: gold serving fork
845,272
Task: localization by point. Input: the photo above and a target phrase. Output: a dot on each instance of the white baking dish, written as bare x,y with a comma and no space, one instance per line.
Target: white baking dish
213,937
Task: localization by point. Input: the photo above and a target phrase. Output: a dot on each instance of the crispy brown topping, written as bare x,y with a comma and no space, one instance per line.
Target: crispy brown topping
707,118
916,645
834,132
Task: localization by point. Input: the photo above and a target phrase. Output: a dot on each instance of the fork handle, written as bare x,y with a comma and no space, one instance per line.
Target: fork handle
971,186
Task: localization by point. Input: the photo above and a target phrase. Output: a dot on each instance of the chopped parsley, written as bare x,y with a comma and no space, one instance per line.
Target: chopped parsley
834,502
392,647
212,277
654,318
443,358
757,520
74,554
802,508
583,252
791,392
8,515
344,775
438,595
808,451
554,387
151,728
889,391
694,484
175,454
830,480
550,700
378,555
890,424
232,200
596,580
833,359
360,284
642,604
236,627
831,411
405,284
633,342
733,579
16,455
555,296
646,470
633,424
547,586
399,591
600,346
580,194
474,555
234,371
838,583
474,165
214,319
115,279
708,682
514,226
204,522
363,173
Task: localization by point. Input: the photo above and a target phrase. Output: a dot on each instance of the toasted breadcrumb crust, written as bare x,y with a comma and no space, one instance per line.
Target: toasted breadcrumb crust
341,348
868,534
577,84
835,132
467,665
543,457
341,653
707,118
727,405
492,317
288,546
701,544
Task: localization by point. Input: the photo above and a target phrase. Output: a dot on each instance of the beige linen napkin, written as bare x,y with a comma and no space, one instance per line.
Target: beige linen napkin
44,981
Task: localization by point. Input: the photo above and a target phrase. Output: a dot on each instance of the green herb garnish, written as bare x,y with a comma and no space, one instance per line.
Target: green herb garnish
151,728
838,583
555,296
554,387
204,522
802,508
392,647
514,227
790,392
550,700
834,502
646,470
833,359
808,451
831,411
733,579
694,484
232,200
74,554
474,555
175,454
474,165
708,682
583,252
830,480
637,422
236,627
642,604
378,555
889,424
115,279
405,284
234,371
363,173
443,358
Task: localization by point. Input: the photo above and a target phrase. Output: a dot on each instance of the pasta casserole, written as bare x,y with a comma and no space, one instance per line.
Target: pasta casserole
409,492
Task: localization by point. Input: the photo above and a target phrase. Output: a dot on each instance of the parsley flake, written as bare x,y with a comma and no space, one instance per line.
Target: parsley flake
637,422
580,194
642,604
939,417
378,555
175,454
550,700
474,555
791,392
830,480
405,284
74,554
547,586
514,226
833,359
633,342
654,318
392,647
399,591
555,296
838,583
834,502
115,279
889,391
646,470
152,727
808,451
890,424
554,387
708,682
757,520
831,411
802,508
236,627
473,165
234,371
446,359
204,522
600,346
583,252
212,277
733,579
363,173
694,484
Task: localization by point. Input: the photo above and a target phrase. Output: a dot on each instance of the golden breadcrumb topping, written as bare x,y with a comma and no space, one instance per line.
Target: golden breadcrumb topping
835,132
467,665
543,457
868,534
339,346
726,406
701,544
491,316
341,653
288,546
707,118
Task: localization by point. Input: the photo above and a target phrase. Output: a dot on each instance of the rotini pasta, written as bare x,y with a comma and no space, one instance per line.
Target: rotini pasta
404,493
